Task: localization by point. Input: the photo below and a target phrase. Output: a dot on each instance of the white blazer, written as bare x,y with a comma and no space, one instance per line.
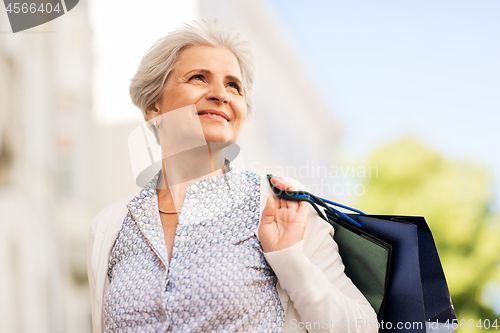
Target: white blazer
315,293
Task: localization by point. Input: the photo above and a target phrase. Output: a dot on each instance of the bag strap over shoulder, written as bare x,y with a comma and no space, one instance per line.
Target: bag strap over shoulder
315,201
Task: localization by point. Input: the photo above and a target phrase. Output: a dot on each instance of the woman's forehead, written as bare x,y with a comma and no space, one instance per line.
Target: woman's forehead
208,58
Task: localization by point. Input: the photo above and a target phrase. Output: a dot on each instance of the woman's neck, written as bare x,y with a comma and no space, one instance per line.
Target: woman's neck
181,170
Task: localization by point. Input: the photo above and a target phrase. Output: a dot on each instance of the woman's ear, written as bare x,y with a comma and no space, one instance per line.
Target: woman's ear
153,111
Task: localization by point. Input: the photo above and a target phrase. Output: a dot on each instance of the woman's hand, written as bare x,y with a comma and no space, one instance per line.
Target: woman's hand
283,221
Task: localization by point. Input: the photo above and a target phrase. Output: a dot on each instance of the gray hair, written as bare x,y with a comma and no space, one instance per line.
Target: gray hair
149,81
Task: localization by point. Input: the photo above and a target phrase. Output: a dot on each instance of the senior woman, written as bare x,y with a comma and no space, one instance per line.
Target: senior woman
204,246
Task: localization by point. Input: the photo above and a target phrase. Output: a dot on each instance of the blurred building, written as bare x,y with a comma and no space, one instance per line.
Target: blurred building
45,106
60,162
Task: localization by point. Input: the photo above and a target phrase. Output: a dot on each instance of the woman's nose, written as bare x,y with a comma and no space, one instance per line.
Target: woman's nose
218,93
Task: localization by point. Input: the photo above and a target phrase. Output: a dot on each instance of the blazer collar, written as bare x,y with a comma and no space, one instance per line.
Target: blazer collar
144,210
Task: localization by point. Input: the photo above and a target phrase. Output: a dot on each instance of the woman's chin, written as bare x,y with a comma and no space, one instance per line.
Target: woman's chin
222,139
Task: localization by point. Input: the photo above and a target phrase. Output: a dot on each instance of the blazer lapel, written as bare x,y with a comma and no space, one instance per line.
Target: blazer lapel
144,211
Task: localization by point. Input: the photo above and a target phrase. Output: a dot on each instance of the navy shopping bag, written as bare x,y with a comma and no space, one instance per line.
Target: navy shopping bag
437,302
416,297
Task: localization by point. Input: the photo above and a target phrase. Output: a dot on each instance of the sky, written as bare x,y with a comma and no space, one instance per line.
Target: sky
388,69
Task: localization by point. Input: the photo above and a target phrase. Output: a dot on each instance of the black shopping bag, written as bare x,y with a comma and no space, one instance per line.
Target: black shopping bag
415,296
366,260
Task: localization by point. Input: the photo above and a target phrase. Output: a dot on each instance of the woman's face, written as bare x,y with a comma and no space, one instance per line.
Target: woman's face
210,78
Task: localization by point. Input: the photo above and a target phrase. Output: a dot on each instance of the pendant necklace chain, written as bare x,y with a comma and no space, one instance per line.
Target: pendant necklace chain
167,212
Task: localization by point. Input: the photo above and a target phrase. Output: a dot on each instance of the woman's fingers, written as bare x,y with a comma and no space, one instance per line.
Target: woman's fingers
281,184
283,221
285,186
303,207
269,211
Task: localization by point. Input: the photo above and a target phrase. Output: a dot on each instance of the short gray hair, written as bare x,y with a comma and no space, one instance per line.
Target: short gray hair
149,81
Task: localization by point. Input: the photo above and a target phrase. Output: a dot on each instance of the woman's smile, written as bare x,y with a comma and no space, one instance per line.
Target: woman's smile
214,115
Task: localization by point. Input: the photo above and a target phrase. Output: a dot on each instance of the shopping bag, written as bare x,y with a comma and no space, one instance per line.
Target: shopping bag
366,258
417,291
416,296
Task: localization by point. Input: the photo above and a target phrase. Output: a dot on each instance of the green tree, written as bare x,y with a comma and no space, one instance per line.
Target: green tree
454,198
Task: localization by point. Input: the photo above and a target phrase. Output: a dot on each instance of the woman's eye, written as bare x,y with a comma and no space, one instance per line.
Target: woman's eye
196,77
234,85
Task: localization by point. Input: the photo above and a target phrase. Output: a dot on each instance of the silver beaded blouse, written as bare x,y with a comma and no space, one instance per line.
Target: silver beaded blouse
217,280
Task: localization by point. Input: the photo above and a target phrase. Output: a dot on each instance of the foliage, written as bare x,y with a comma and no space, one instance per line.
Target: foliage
453,197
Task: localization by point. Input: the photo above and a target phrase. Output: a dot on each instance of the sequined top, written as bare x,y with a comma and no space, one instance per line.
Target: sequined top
217,279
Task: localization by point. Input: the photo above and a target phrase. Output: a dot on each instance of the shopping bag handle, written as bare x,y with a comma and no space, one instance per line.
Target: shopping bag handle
314,201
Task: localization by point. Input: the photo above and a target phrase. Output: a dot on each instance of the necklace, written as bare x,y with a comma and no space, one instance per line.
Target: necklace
167,212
